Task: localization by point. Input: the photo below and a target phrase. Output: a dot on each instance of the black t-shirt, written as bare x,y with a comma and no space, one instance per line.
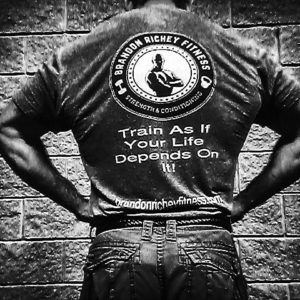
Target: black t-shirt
160,103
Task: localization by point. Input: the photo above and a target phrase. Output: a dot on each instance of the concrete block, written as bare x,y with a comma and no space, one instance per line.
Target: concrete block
23,262
294,187
40,48
48,292
264,36
60,144
32,15
292,214
254,12
250,165
10,219
265,291
43,218
270,259
216,10
260,139
77,175
60,164
75,259
264,220
294,71
84,15
11,54
9,84
290,44
294,291
70,38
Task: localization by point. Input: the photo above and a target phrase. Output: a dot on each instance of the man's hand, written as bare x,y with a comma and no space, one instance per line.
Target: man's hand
21,146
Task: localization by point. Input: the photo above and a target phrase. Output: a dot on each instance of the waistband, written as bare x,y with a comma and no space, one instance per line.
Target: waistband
222,222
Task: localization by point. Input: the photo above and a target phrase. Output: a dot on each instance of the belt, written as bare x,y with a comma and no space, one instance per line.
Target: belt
223,222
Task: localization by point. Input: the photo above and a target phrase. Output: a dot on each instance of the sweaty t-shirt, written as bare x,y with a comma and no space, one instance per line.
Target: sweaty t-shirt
160,103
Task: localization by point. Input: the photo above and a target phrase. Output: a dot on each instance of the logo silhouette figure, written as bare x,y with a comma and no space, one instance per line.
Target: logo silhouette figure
162,81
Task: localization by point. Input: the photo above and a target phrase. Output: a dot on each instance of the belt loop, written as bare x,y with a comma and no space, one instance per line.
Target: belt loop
147,230
171,230
92,232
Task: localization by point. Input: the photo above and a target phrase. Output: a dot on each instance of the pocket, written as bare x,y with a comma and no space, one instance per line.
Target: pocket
216,264
110,255
211,256
110,269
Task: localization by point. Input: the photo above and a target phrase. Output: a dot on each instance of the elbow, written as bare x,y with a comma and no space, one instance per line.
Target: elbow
297,151
288,155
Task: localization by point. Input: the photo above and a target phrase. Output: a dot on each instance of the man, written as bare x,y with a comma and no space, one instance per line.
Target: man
162,81
161,168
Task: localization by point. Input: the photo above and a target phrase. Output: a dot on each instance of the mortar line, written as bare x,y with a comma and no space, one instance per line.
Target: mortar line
44,33
52,284
266,237
283,282
47,240
269,25
16,74
77,282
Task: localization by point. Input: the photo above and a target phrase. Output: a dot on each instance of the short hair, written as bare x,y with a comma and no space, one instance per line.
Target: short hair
178,3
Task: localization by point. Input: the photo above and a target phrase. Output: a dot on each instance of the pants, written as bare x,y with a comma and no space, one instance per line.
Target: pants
164,263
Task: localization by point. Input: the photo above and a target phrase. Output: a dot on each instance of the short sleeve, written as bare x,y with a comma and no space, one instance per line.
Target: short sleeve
40,99
279,91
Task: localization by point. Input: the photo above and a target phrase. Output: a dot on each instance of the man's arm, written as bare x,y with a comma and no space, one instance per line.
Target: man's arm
281,171
22,148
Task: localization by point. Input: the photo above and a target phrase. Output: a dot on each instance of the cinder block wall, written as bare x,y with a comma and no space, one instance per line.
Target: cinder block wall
42,246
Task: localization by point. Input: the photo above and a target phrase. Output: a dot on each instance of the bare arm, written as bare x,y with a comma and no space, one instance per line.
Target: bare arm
23,150
281,171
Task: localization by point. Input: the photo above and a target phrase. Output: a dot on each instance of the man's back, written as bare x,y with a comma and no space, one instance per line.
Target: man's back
158,155
160,104
148,154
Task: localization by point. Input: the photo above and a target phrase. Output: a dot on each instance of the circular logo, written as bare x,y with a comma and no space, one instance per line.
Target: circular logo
162,76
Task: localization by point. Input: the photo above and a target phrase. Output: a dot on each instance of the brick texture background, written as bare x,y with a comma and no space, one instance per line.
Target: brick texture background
42,246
